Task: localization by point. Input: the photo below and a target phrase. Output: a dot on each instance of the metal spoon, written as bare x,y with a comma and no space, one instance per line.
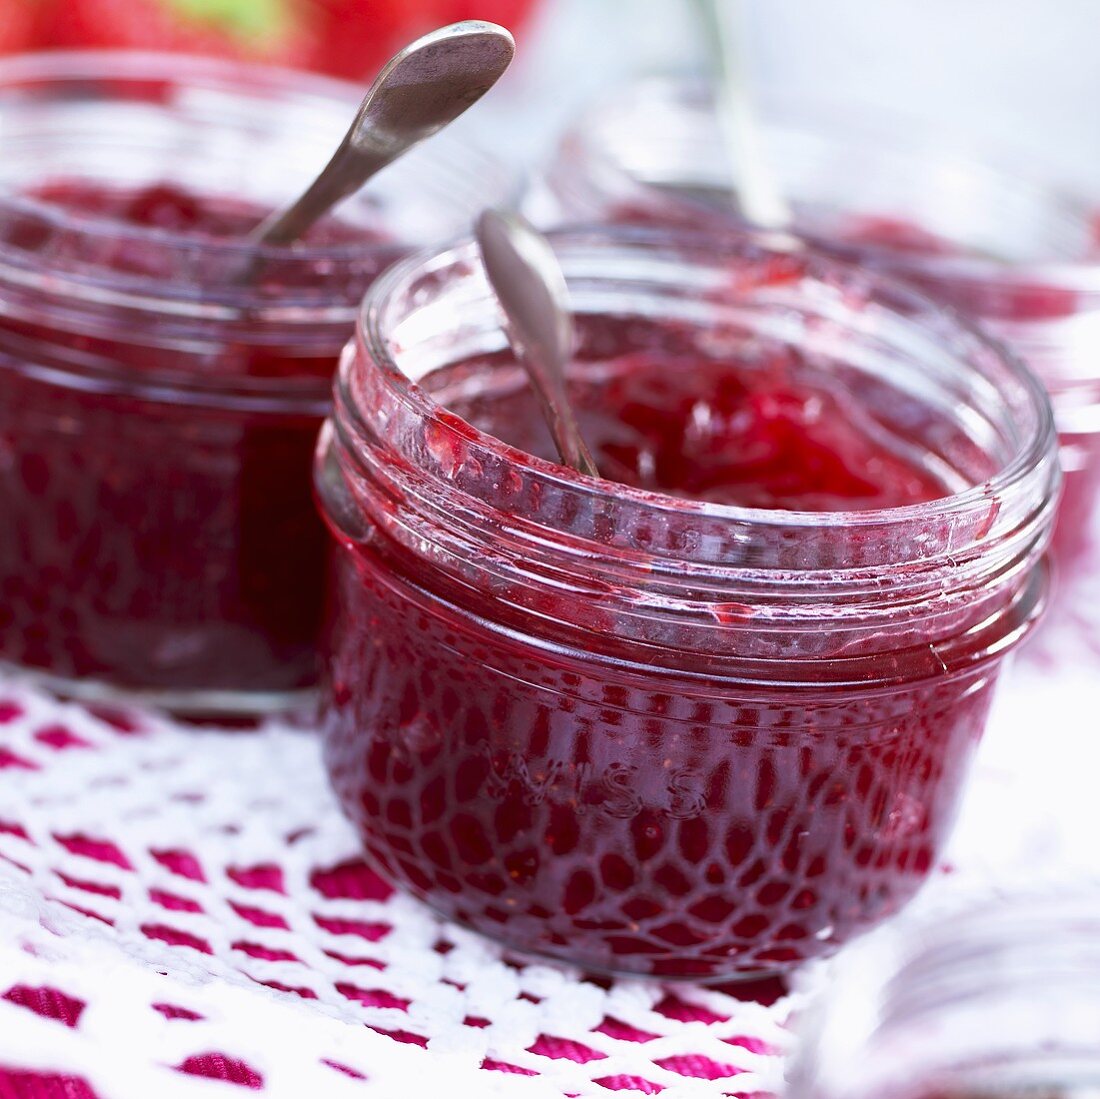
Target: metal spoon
759,195
422,89
528,282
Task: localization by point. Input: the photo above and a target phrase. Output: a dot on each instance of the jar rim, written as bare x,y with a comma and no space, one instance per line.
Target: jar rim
188,291
835,124
651,578
465,169
141,66
733,243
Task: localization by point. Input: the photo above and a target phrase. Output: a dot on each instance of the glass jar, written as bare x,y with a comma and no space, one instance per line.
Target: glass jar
653,735
997,1001
158,411
1017,255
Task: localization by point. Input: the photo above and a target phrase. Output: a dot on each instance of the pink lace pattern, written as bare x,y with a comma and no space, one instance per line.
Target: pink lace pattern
179,906
183,912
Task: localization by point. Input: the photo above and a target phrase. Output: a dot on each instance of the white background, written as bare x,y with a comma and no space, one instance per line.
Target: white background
1020,74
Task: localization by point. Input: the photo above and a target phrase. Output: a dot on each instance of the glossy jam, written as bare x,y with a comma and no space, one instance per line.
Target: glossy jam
172,208
515,762
1014,302
159,532
694,427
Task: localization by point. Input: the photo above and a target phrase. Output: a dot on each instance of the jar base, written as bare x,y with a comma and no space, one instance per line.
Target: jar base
743,979
189,704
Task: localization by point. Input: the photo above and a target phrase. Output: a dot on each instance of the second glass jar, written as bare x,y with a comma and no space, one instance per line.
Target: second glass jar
161,386
997,999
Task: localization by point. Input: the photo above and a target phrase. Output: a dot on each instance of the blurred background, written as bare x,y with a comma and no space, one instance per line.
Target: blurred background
1013,76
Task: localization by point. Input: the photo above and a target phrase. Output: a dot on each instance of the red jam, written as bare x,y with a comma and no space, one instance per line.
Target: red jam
528,765
626,820
890,244
692,427
159,526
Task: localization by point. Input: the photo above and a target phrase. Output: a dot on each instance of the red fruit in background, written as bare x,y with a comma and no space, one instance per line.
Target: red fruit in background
267,30
349,38
354,38
17,25
508,13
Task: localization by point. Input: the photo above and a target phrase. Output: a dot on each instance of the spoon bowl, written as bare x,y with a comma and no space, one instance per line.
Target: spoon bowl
423,88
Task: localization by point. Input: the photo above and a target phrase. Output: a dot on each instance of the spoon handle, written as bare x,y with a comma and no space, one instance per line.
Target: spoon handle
759,195
343,176
563,425
421,89
530,287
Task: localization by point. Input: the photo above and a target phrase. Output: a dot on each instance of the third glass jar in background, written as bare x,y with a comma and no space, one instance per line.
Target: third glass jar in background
1016,255
652,734
998,1000
158,411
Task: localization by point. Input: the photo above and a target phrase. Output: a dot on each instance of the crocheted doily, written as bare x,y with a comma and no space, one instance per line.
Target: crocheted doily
183,913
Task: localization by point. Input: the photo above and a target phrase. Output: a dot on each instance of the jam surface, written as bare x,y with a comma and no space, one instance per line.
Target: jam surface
156,538
611,813
701,429
171,208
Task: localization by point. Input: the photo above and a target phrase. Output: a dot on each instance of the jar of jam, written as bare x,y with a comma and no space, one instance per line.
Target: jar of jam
712,715
158,408
1000,1001
1016,254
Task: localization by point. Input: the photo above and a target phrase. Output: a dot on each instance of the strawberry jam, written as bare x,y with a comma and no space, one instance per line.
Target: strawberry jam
159,531
710,715
162,381
697,428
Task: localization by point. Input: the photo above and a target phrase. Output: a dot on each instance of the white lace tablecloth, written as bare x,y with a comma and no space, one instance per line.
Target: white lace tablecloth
183,913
